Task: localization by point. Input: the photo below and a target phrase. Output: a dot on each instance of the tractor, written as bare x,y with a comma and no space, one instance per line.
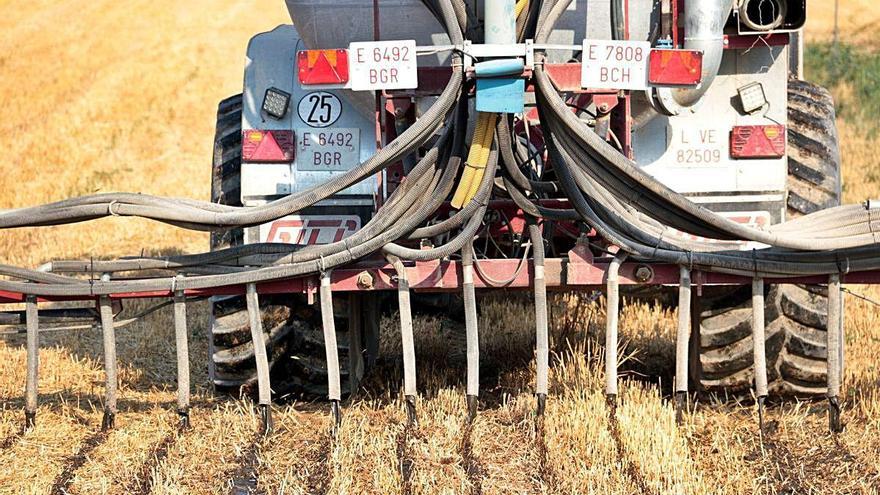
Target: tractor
661,149
705,96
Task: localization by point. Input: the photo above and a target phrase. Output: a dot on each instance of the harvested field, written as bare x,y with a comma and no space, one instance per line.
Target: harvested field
120,96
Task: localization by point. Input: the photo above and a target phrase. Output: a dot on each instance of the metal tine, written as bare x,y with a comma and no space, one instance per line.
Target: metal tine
262,360
108,331
406,334
472,331
182,347
542,337
334,382
611,329
682,343
33,361
834,346
758,348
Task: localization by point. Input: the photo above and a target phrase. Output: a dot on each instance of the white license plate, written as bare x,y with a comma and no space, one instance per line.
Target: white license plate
310,229
327,150
615,64
383,65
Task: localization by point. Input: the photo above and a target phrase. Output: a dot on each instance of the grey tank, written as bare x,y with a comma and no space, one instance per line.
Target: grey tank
335,24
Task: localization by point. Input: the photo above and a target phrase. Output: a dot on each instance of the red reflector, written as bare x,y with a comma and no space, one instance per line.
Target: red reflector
675,67
323,66
267,146
757,141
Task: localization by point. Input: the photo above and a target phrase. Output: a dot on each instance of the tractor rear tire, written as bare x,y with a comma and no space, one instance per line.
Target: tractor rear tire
796,316
294,335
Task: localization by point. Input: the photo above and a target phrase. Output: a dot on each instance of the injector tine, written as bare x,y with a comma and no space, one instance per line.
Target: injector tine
758,350
682,343
334,382
33,361
181,336
261,357
109,342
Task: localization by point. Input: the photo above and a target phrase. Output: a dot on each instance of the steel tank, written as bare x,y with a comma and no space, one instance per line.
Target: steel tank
335,24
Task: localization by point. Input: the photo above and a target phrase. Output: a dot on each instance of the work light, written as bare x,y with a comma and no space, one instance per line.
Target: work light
752,97
276,102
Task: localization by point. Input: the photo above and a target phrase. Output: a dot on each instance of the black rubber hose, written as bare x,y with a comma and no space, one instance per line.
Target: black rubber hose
505,146
542,336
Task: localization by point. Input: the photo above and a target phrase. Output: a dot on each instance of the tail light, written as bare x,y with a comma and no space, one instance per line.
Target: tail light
757,141
322,67
267,146
675,67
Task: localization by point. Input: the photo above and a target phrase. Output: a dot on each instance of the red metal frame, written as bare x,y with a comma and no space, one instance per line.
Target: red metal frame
578,271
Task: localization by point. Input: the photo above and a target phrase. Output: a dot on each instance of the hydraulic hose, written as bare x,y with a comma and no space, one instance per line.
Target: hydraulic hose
471,327
473,224
475,165
505,146
606,191
542,336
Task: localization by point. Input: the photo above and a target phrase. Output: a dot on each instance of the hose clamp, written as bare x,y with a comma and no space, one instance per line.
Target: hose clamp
840,270
657,246
871,223
322,267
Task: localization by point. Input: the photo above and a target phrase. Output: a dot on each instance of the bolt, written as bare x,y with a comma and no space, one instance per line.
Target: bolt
365,280
644,274
603,108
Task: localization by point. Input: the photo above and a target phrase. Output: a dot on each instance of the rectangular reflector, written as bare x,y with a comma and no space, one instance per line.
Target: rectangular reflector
267,146
757,141
322,67
675,67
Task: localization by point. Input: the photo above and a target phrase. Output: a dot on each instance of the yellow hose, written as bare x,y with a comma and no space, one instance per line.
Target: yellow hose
481,144
482,133
480,170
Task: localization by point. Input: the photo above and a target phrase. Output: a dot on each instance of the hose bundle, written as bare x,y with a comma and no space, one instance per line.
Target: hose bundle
607,191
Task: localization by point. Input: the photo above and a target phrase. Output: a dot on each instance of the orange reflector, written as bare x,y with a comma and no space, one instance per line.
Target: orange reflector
267,146
757,141
322,66
675,67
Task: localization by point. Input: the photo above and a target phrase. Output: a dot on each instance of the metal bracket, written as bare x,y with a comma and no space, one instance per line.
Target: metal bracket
472,50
